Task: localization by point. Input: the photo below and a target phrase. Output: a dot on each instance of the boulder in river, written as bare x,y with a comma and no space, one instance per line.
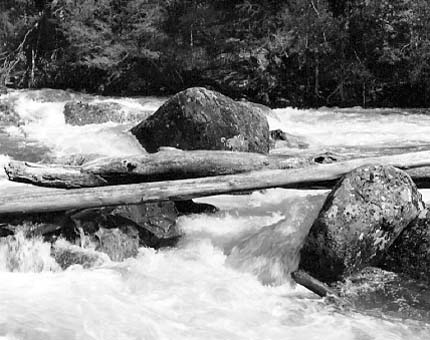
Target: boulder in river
201,119
410,253
362,216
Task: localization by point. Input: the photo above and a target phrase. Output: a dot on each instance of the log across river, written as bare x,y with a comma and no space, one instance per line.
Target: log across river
199,289
215,172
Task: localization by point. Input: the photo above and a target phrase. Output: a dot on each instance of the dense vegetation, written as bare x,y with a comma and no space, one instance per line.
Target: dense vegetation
277,52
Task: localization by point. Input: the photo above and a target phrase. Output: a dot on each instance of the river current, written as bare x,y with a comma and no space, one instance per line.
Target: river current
228,278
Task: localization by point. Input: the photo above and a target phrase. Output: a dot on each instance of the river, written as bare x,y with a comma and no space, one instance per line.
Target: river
228,278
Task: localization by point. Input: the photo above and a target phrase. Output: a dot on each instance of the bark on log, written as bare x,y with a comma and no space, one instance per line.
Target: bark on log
31,199
176,164
168,164
52,175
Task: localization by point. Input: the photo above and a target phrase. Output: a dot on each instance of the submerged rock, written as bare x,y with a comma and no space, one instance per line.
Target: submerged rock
360,219
79,113
327,158
67,255
410,253
190,207
201,119
280,139
118,243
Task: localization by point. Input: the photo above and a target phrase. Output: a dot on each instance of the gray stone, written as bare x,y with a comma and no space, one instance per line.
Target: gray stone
362,216
119,231
201,119
410,253
69,255
118,243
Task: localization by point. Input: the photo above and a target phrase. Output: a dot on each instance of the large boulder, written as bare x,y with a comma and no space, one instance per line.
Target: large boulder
201,119
410,253
362,216
80,113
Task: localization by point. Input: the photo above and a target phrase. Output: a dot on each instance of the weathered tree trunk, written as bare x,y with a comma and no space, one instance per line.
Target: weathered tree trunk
31,199
164,165
172,164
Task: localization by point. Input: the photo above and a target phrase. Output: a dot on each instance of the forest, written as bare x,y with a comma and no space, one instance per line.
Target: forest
303,53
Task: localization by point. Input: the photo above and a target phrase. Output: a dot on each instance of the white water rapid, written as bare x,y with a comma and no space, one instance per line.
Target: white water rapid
228,278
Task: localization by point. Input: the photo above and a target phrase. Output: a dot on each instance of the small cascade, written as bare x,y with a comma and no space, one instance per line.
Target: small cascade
21,254
228,276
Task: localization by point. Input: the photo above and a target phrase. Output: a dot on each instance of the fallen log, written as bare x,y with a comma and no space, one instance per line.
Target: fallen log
171,164
31,199
167,164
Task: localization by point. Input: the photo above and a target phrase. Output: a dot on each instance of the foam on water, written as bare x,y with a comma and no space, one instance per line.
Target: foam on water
366,131
21,254
43,122
229,276
189,292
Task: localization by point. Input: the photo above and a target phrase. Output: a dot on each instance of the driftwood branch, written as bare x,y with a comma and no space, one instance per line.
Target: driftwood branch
315,286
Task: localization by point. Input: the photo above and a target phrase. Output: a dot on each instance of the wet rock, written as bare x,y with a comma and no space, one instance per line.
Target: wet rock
280,139
201,119
327,158
190,207
118,243
158,219
67,255
377,292
79,113
119,231
410,253
360,219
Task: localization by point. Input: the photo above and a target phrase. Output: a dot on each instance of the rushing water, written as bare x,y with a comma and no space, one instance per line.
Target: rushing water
229,276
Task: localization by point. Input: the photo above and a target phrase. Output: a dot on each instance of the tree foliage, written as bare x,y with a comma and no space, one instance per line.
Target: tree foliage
298,52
